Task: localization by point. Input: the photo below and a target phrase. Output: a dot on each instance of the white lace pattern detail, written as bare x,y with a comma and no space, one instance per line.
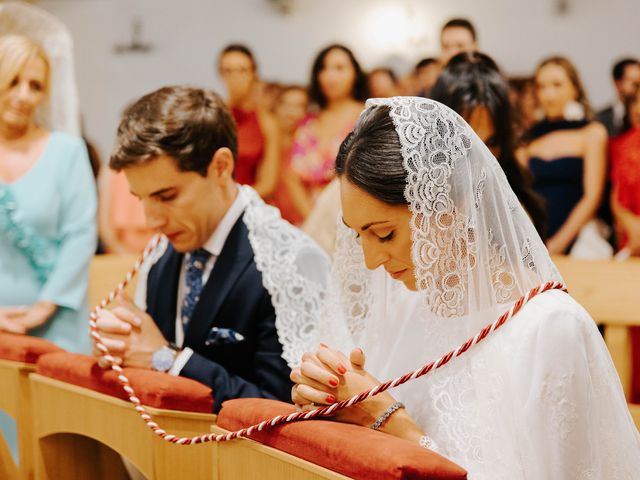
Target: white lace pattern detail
564,414
294,272
433,140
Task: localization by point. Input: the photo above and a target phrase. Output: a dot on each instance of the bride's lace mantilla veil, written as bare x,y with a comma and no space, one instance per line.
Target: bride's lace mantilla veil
474,246
475,252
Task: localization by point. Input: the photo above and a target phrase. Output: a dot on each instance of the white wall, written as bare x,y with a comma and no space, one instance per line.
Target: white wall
187,34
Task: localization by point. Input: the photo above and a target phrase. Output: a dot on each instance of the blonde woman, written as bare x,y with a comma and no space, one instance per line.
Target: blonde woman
47,211
47,207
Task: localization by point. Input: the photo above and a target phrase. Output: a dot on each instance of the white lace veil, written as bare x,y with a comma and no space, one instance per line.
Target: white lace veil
475,252
61,112
295,272
475,249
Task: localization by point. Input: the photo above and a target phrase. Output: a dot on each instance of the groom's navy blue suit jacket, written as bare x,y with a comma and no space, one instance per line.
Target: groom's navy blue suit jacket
233,301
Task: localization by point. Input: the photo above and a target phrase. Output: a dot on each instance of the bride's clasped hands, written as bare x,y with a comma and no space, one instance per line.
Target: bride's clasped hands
327,376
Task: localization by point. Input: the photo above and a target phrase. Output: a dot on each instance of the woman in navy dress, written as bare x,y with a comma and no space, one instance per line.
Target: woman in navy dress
566,153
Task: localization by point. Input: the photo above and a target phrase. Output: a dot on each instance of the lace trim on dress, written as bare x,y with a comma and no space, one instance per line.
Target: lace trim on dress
38,250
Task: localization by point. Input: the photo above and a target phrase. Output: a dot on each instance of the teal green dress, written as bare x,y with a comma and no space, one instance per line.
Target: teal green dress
47,240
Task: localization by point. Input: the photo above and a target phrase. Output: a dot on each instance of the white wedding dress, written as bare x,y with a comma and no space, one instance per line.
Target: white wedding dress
537,399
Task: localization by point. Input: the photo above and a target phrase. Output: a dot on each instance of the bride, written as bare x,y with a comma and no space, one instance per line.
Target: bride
434,247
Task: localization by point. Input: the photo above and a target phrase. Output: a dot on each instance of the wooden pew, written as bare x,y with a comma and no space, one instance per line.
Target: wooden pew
15,402
18,354
251,460
606,289
80,433
610,292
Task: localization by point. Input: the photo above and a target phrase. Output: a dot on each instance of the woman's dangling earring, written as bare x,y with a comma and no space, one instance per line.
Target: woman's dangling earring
574,111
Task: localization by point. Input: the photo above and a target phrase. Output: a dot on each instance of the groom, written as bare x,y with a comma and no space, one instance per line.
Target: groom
201,309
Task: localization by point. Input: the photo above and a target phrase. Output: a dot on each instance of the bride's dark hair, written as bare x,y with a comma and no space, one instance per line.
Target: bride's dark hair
375,144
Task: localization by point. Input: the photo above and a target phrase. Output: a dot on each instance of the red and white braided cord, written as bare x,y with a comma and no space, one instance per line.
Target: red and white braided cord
297,416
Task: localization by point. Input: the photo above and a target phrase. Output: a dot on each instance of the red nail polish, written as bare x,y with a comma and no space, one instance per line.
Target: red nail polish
342,370
333,383
331,399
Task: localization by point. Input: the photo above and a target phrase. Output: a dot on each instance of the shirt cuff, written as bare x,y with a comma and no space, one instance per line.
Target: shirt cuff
181,360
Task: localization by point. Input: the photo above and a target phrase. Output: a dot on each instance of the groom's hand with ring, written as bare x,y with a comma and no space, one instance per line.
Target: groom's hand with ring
130,334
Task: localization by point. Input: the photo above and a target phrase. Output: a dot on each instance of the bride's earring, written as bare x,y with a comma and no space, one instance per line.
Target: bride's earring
574,111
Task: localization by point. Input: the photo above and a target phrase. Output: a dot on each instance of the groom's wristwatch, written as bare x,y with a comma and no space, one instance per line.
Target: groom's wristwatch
163,359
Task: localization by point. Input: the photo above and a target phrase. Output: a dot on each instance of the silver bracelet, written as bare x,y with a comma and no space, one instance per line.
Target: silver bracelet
387,413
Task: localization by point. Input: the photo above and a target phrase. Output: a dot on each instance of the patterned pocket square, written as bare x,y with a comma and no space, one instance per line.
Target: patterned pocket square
223,336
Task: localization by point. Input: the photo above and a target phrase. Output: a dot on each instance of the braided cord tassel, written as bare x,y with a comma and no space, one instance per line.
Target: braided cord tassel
326,411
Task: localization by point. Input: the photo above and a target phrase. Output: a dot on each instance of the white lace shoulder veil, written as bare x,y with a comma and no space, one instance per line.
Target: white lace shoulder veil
61,113
295,272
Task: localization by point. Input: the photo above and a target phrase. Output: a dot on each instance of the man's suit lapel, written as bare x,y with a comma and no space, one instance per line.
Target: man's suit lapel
162,292
233,260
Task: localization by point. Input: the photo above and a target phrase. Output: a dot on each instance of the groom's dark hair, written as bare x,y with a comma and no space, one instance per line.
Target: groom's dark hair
185,123
370,157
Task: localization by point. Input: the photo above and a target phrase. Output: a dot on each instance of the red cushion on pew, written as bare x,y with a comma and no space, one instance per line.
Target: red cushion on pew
351,450
24,348
635,364
154,389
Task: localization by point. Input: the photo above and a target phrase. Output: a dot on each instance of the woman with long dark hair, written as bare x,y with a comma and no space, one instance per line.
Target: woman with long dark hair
472,85
338,88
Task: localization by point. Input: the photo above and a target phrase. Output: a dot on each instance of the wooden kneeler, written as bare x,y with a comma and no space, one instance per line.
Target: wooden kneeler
18,354
247,459
80,432
83,422
15,402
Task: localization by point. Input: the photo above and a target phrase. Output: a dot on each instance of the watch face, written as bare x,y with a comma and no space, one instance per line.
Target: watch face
162,360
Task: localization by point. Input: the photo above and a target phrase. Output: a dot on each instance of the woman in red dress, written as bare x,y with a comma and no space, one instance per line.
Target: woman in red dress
625,178
625,204
257,162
